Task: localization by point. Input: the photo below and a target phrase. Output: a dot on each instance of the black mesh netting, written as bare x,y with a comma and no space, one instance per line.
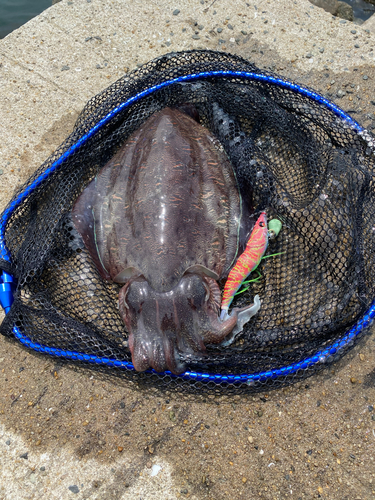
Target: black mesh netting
306,165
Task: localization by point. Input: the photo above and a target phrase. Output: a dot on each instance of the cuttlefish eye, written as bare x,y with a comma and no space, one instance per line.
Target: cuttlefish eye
191,289
261,224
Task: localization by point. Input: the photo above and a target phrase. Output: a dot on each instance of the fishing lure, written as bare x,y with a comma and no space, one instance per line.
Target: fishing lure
274,227
246,263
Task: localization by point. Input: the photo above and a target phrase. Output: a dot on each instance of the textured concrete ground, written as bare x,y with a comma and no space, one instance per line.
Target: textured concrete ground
72,433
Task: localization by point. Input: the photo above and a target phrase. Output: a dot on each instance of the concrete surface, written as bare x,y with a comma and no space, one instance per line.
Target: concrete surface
72,433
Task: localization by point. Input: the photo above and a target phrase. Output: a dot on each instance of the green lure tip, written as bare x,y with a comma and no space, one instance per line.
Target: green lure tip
274,227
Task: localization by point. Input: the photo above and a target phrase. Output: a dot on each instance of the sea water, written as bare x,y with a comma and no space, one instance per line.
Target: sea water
361,9
15,13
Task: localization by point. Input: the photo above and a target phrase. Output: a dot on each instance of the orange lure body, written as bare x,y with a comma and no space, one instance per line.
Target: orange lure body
246,262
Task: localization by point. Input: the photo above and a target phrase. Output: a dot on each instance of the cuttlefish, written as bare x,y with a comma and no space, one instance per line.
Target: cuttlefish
165,219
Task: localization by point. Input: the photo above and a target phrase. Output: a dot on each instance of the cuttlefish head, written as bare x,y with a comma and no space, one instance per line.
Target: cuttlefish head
163,326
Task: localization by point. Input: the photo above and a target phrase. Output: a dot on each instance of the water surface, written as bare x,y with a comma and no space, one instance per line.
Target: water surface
15,13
